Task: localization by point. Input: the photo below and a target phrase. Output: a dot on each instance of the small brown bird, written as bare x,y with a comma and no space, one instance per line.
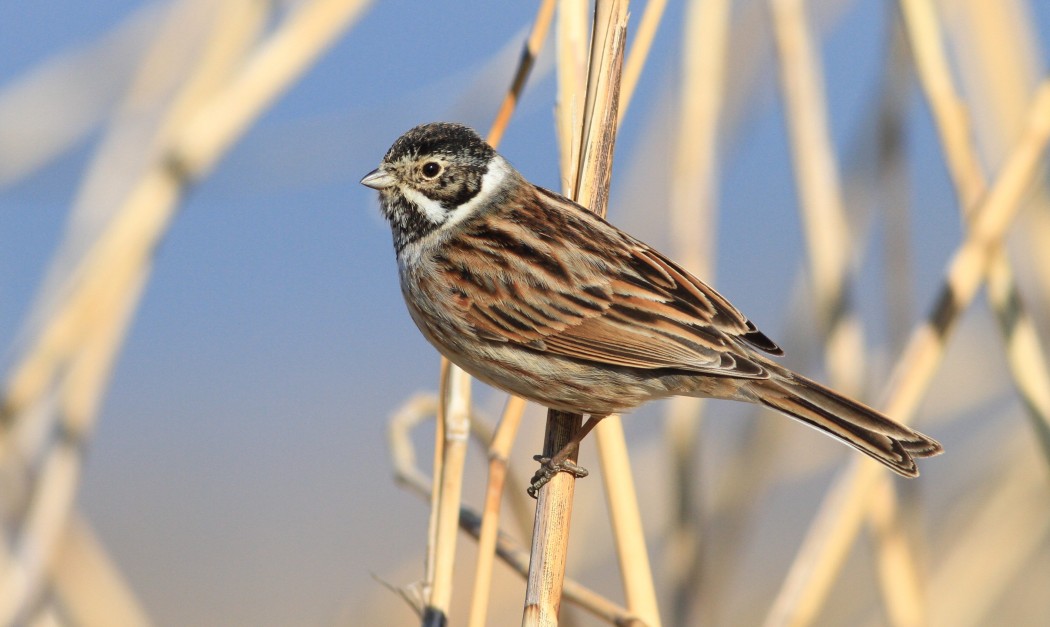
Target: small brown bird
537,296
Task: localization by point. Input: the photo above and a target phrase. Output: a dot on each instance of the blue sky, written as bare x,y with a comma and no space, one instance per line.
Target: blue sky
243,430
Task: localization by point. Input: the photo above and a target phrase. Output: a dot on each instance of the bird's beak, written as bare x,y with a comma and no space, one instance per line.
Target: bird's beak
378,179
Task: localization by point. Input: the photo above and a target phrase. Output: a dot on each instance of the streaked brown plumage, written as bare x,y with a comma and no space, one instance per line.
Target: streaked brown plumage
537,296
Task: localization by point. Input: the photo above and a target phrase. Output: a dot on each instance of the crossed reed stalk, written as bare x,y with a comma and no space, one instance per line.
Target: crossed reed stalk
52,391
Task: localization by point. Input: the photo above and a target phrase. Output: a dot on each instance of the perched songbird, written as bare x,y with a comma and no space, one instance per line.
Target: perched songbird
535,295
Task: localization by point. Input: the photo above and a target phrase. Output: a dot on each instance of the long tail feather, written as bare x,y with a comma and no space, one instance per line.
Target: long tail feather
863,428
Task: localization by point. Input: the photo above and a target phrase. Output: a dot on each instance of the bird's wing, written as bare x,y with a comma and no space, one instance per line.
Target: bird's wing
608,298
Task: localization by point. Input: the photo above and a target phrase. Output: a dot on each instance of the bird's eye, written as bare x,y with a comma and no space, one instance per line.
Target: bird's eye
431,169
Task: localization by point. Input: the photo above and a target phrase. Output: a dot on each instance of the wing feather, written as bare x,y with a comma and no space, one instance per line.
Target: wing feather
614,300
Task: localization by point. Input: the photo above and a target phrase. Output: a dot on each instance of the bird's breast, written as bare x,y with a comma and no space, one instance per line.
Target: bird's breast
435,308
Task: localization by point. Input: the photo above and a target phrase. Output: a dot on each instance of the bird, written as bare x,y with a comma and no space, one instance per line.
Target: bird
537,296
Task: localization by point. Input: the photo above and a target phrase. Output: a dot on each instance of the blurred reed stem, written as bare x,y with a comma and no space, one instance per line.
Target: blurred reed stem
827,235
900,578
693,200
88,588
407,473
834,529
652,15
540,27
67,364
1025,357
969,584
829,242
625,516
747,473
73,351
499,451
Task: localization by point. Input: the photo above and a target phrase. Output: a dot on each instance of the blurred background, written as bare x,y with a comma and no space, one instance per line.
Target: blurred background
202,351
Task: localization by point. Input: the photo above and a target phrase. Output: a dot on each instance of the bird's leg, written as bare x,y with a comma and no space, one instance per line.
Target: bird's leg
550,466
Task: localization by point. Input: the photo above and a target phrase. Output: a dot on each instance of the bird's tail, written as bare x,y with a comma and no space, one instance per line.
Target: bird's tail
863,428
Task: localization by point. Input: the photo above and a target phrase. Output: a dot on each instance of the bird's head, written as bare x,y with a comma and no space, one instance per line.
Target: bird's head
434,176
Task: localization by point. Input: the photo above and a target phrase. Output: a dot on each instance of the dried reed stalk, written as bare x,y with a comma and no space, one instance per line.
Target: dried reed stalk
586,599
999,62
450,454
820,193
620,494
501,443
998,80
303,36
828,242
407,473
652,15
622,501
546,561
540,27
571,36
590,188
600,108
625,516
550,531
433,612
68,365
837,522
968,585
693,200
75,347
499,451
88,589
1028,364
900,580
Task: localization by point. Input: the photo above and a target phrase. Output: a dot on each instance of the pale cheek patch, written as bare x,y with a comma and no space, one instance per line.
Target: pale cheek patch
432,210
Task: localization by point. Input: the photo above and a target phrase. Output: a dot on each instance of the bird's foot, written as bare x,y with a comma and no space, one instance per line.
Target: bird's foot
550,466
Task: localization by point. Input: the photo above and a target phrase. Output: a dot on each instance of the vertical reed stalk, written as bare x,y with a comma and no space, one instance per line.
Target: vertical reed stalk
499,451
590,188
693,212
